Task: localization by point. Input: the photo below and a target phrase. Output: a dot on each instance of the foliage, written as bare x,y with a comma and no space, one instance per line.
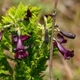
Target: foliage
31,67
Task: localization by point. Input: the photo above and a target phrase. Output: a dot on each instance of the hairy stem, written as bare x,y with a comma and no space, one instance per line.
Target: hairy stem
51,44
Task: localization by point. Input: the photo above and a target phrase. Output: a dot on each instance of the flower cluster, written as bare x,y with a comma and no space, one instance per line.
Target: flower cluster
60,39
58,43
66,53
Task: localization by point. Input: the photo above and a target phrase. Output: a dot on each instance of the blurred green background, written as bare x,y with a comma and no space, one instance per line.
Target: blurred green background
68,18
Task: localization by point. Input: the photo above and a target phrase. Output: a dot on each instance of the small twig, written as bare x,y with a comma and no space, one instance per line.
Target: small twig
51,44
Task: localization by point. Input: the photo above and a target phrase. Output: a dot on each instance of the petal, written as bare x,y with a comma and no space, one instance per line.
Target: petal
61,48
17,56
69,54
61,39
21,54
25,54
20,46
14,38
23,38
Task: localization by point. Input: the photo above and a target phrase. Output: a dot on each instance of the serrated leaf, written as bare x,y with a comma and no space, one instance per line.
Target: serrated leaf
20,11
35,10
11,11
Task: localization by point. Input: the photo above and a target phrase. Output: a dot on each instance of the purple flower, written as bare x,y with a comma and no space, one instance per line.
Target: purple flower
22,37
66,53
20,51
61,38
1,34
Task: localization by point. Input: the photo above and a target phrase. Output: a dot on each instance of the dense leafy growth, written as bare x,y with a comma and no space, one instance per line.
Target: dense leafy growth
24,18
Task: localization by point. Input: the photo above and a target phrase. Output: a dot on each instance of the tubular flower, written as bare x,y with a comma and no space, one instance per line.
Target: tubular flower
20,51
22,37
1,34
61,38
66,53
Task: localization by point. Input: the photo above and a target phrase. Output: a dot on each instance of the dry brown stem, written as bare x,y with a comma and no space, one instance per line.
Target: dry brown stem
51,44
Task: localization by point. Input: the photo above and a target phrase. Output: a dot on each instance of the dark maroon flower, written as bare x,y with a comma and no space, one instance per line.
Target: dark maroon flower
46,36
28,15
66,53
22,37
20,51
61,38
69,35
1,34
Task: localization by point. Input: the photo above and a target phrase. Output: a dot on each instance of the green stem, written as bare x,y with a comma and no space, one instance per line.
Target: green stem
13,75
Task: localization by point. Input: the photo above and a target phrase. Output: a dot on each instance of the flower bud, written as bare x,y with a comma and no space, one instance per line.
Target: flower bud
69,35
28,15
46,36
